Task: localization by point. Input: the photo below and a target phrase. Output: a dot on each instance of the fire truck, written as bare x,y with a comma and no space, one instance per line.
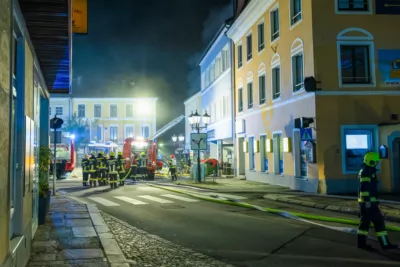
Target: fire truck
105,147
134,146
65,154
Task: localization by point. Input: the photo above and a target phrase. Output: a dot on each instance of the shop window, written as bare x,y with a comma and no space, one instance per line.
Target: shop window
278,153
357,142
263,154
251,154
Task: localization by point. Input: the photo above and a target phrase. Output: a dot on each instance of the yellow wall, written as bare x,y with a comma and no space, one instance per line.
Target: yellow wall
277,116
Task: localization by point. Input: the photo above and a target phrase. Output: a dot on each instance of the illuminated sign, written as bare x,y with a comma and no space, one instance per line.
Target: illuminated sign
79,16
387,7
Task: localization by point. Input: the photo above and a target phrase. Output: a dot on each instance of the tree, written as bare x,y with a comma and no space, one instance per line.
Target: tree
80,127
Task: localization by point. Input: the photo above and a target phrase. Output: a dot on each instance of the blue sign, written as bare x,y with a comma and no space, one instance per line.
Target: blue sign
306,134
389,67
387,7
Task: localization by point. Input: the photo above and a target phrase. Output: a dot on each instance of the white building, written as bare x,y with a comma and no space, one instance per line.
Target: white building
192,105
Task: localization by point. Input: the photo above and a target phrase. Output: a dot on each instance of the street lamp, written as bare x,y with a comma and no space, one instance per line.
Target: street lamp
194,121
174,138
181,138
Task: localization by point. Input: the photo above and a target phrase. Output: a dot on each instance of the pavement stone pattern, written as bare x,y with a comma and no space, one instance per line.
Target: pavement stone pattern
74,235
146,250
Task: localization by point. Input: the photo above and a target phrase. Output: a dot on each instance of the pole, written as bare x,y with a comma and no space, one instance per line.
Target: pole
198,160
55,164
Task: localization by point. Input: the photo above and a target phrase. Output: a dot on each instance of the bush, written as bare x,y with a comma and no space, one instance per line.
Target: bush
44,164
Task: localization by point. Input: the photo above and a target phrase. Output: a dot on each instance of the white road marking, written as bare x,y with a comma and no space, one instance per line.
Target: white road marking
104,202
131,200
181,198
229,196
156,199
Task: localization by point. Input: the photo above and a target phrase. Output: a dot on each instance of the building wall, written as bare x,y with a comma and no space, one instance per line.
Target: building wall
357,106
275,115
58,102
5,27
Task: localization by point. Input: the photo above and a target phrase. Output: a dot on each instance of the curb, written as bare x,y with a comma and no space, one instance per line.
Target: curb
300,215
340,209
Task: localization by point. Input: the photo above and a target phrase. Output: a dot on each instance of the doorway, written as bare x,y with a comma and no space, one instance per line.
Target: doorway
395,162
241,159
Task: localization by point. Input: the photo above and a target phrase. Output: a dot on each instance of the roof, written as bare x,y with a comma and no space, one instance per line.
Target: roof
49,26
213,40
192,97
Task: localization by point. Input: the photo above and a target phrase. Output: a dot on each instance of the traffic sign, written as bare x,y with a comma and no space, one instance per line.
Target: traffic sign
306,134
198,141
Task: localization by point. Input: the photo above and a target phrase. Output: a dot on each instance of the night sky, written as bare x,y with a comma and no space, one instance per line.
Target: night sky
146,48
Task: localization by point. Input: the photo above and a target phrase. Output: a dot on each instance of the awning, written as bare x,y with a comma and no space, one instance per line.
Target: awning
48,23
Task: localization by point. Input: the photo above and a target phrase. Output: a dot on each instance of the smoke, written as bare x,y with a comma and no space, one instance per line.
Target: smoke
217,16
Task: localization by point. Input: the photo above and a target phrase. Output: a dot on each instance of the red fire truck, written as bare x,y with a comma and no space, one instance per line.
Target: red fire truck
65,155
134,146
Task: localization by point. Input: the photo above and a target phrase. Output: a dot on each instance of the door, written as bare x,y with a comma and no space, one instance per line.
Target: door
241,159
395,162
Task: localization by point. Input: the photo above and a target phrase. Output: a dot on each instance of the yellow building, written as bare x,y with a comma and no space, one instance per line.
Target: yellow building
343,45
117,118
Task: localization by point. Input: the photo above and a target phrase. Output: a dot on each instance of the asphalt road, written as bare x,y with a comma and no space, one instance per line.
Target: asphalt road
231,234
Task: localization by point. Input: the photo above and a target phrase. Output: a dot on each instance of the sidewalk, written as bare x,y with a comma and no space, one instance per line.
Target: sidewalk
75,235
343,204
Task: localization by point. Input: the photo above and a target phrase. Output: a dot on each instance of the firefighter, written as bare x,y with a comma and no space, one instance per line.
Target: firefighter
112,166
172,167
369,208
85,169
142,166
121,169
102,168
134,168
93,170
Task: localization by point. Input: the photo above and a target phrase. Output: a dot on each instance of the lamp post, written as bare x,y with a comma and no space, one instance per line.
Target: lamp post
195,122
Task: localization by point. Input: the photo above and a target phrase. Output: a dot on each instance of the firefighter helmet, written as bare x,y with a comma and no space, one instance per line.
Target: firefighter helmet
371,159
119,153
112,154
172,156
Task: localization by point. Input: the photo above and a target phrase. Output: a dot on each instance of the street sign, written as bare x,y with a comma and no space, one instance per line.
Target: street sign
198,141
56,123
306,134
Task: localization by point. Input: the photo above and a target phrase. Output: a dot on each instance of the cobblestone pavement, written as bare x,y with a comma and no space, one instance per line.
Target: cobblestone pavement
146,250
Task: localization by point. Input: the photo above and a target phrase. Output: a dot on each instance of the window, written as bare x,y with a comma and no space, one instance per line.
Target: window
97,111
249,46
295,11
274,24
276,82
263,154
97,133
145,131
353,5
250,95
114,133
203,80
212,72
59,111
262,90
355,64
251,154
225,59
81,111
207,76
218,67
113,111
49,111
357,142
278,153
240,99
261,37
240,56
129,131
297,72
129,111
225,106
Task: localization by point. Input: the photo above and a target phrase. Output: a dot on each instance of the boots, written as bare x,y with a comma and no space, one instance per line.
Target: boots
362,242
385,243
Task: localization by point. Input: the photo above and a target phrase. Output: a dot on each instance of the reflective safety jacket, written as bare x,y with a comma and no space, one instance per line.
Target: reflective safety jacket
368,191
172,163
85,165
112,165
92,164
142,163
121,164
101,162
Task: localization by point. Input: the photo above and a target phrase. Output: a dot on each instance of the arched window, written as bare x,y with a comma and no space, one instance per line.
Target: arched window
276,77
297,55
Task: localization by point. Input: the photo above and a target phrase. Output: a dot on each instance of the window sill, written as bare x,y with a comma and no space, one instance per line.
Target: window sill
357,85
275,40
249,60
298,91
294,25
240,67
353,12
262,105
250,109
261,50
276,99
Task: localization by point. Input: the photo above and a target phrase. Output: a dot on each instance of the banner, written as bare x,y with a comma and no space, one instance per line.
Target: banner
389,67
79,16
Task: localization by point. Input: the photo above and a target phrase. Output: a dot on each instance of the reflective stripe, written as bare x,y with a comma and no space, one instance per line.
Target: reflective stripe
364,194
372,199
382,233
365,179
360,200
362,232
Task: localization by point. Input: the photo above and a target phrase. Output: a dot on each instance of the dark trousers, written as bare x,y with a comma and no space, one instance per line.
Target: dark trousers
85,178
373,215
113,180
102,175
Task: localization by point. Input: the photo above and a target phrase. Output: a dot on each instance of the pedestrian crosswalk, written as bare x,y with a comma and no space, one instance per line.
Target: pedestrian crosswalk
115,201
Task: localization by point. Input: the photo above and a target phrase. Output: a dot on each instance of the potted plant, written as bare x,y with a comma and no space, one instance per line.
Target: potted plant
44,189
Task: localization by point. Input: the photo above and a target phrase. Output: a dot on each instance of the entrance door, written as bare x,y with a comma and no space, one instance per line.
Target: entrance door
395,162
241,159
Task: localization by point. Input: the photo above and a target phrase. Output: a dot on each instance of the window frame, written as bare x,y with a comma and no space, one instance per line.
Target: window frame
260,75
295,51
367,11
125,130
261,46
371,60
112,117
251,153
94,110
293,23
375,143
276,64
240,100
110,127
249,48
62,110
126,110
250,101
272,34
84,110
240,55
142,132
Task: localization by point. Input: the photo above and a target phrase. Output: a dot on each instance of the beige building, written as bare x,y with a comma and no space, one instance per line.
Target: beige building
117,118
277,44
